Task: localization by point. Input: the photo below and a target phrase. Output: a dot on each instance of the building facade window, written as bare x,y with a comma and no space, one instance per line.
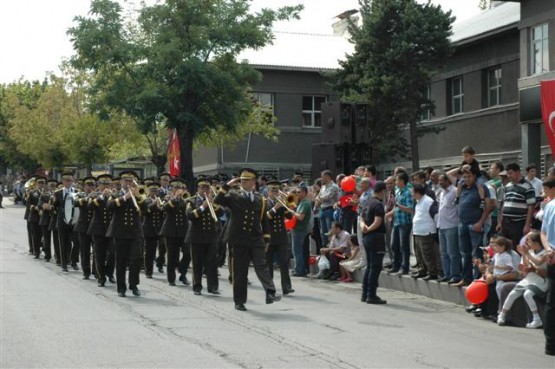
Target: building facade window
539,49
456,103
312,110
494,86
427,113
265,100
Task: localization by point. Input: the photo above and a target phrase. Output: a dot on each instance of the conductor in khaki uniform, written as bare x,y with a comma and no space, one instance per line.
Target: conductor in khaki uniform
126,228
248,235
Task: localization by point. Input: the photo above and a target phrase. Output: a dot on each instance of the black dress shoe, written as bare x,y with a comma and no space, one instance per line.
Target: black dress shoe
198,293
121,294
74,266
183,278
214,292
172,283
149,276
161,269
453,281
135,291
289,291
375,300
112,279
363,298
429,278
477,313
101,284
37,257
65,270
418,275
271,298
86,277
471,308
47,260
240,307
443,280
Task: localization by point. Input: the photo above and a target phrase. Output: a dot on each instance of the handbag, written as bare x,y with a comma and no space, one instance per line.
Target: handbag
323,263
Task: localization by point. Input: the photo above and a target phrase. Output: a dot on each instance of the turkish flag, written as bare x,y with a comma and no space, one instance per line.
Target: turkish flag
174,154
548,111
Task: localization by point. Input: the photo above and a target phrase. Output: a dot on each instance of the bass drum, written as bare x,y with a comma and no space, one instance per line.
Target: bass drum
71,213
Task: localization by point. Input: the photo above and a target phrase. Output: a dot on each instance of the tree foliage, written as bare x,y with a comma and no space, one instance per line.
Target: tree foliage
398,47
176,58
50,123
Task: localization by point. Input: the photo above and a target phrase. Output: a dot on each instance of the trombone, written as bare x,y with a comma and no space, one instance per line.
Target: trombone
278,199
210,205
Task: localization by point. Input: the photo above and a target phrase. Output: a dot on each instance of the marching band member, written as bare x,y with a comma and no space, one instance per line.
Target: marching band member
247,234
98,228
174,227
33,200
127,230
82,225
279,241
152,223
203,237
46,220
164,180
63,222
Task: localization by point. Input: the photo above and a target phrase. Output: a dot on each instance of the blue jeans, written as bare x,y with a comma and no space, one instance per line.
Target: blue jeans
450,253
326,218
297,240
401,247
469,241
374,263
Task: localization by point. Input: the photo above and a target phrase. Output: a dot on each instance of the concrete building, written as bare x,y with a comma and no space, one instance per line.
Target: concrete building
487,96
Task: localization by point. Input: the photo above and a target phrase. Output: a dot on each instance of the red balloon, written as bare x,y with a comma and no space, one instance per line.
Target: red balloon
345,200
477,292
348,184
290,223
312,260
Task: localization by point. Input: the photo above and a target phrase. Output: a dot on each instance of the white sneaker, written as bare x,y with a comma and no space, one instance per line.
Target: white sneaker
500,320
534,324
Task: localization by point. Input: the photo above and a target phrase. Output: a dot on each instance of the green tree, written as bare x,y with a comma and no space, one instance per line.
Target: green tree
176,58
12,96
398,47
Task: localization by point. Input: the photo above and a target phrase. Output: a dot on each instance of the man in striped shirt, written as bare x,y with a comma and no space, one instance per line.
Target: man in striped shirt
517,206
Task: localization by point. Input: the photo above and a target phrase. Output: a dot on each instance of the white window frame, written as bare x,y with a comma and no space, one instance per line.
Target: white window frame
312,112
494,84
460,96
427,113
539,43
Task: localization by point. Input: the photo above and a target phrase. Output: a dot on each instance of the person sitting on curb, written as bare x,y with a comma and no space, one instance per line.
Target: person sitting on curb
337,250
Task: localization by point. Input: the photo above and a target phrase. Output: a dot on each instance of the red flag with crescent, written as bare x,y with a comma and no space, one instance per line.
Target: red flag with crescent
548,111
174,154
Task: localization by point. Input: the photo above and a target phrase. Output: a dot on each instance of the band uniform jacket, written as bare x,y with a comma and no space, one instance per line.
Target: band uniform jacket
126,220
276,221
45,215
27,206
34,202
153,217
248,223
85,215
101,216
203,229
175,221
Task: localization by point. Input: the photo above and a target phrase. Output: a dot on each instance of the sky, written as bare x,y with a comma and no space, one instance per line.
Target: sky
33,39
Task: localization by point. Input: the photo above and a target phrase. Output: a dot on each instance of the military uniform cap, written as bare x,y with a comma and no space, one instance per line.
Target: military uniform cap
273,185
153,186
202,181
147,181
129,175
52,182
89,180
41,179
248,173
116,179
178,183
165,175
104,178
67,175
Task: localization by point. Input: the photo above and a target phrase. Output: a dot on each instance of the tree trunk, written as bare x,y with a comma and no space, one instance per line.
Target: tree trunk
160,162
186,137
414,147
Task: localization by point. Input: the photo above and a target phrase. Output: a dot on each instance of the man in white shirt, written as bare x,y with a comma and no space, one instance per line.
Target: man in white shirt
448,224
531,172
337,250
424,230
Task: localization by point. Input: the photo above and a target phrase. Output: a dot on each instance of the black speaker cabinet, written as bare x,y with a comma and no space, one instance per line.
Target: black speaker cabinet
337,123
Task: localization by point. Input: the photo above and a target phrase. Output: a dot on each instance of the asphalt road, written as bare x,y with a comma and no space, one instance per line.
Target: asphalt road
49,319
